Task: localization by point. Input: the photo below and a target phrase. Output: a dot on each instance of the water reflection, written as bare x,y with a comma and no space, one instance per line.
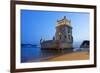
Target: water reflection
35,54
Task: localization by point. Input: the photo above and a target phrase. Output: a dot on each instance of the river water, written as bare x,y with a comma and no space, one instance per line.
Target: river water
35,54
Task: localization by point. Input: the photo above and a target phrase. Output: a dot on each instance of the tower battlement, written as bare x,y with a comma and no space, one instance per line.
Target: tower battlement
63,21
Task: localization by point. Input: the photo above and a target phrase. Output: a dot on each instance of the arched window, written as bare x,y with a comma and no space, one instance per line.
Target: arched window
60,37
69,37
65,36
68,30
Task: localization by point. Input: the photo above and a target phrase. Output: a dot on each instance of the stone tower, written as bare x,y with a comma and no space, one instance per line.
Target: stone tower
64,32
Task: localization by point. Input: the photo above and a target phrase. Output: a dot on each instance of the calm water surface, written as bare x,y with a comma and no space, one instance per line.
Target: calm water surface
35,53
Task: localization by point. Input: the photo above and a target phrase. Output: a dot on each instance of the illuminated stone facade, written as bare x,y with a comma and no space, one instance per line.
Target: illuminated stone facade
64,32
63,37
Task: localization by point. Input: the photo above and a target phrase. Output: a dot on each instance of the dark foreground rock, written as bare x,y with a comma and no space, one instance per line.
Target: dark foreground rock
85,44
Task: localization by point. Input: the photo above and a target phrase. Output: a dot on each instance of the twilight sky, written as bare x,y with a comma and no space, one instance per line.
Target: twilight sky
41,24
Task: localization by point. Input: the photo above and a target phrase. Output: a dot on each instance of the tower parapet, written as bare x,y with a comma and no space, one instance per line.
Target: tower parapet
63,21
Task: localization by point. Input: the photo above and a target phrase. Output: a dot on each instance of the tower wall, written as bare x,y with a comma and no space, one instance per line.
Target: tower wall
64,33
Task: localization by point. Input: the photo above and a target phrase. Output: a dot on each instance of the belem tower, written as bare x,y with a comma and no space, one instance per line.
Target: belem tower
63,38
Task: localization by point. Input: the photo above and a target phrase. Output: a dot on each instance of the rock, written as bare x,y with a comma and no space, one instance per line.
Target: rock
85,44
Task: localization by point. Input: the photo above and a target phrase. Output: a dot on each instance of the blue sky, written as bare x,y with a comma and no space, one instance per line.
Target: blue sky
37,24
